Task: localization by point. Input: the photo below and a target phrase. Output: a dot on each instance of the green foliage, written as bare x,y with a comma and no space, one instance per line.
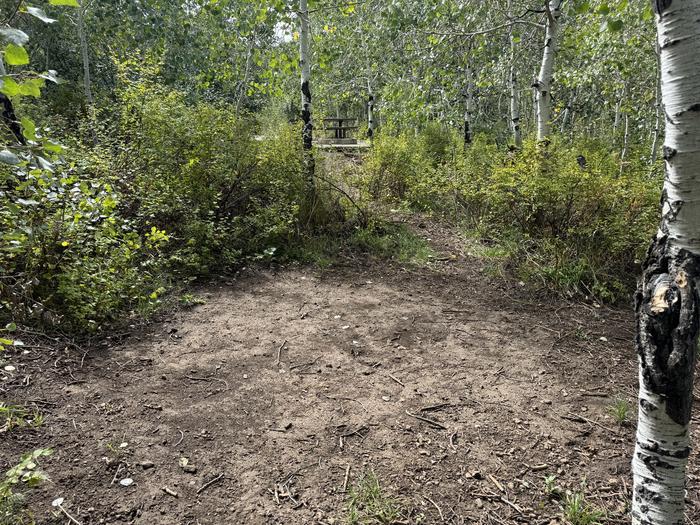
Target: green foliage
578,225
14,416
28,474
392,241
620,411
162,189
577,511
369,505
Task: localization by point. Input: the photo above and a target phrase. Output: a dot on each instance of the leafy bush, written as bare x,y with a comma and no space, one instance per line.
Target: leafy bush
565,215
162,189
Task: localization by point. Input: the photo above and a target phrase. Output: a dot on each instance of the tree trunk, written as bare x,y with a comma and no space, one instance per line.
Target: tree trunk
513,81
7,111
305,61
469,106
657,121
371,124
667,299
544,79
87,85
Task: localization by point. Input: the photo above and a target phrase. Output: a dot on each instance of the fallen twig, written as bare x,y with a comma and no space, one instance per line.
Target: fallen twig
170,492
397,380
279,353
119,468
580,419
304,365
209,483
432,422
442,518
347,477
71,518
182,437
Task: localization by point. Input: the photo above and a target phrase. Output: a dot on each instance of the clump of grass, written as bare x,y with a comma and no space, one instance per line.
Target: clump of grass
577,511
189,300
393,241
620,411
15,416
368,504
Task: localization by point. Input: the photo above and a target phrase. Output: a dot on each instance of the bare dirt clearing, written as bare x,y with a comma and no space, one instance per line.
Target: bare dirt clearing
461,392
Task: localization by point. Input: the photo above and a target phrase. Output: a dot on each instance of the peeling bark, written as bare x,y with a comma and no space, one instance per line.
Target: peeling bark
544,79
469,106
667,301
371,125
305,62
513,81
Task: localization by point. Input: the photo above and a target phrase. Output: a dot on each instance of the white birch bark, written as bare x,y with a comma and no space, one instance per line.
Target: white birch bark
305,62
514,96
469,106
371,124
667,299
657,105
544,79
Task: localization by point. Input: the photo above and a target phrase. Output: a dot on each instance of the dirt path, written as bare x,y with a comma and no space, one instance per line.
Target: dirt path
517,388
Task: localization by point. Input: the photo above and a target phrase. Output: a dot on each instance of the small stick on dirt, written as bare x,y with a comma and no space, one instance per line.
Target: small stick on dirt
442,518
170,492
209,483
119,468
397,380
580,419
497,483
347,477
71,518
432,408
304,365
182,437
512,505
432,422
452,441
279,353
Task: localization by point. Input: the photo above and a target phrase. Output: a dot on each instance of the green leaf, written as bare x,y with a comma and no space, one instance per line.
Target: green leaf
9,87
11,327
52,147
14,35
16,55
39,13
7,157
70,3
615,25
28,128
32,87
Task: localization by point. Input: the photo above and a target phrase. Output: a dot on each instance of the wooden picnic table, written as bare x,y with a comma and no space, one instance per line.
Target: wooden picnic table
340,126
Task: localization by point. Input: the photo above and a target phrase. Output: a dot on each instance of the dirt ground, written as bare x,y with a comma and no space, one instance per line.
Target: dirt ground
459,390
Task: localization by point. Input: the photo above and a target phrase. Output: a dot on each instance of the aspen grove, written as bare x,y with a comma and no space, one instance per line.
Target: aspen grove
349,262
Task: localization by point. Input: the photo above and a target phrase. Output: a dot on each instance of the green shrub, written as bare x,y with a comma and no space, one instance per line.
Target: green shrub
163,189
580,226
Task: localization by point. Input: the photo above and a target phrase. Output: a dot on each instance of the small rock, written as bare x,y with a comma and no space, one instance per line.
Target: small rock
479,503
386,398
147,464
126,482
190,469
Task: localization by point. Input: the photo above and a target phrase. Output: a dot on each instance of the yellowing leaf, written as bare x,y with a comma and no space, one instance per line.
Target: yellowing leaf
16,55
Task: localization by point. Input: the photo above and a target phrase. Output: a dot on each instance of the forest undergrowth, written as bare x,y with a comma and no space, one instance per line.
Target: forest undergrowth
139,202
